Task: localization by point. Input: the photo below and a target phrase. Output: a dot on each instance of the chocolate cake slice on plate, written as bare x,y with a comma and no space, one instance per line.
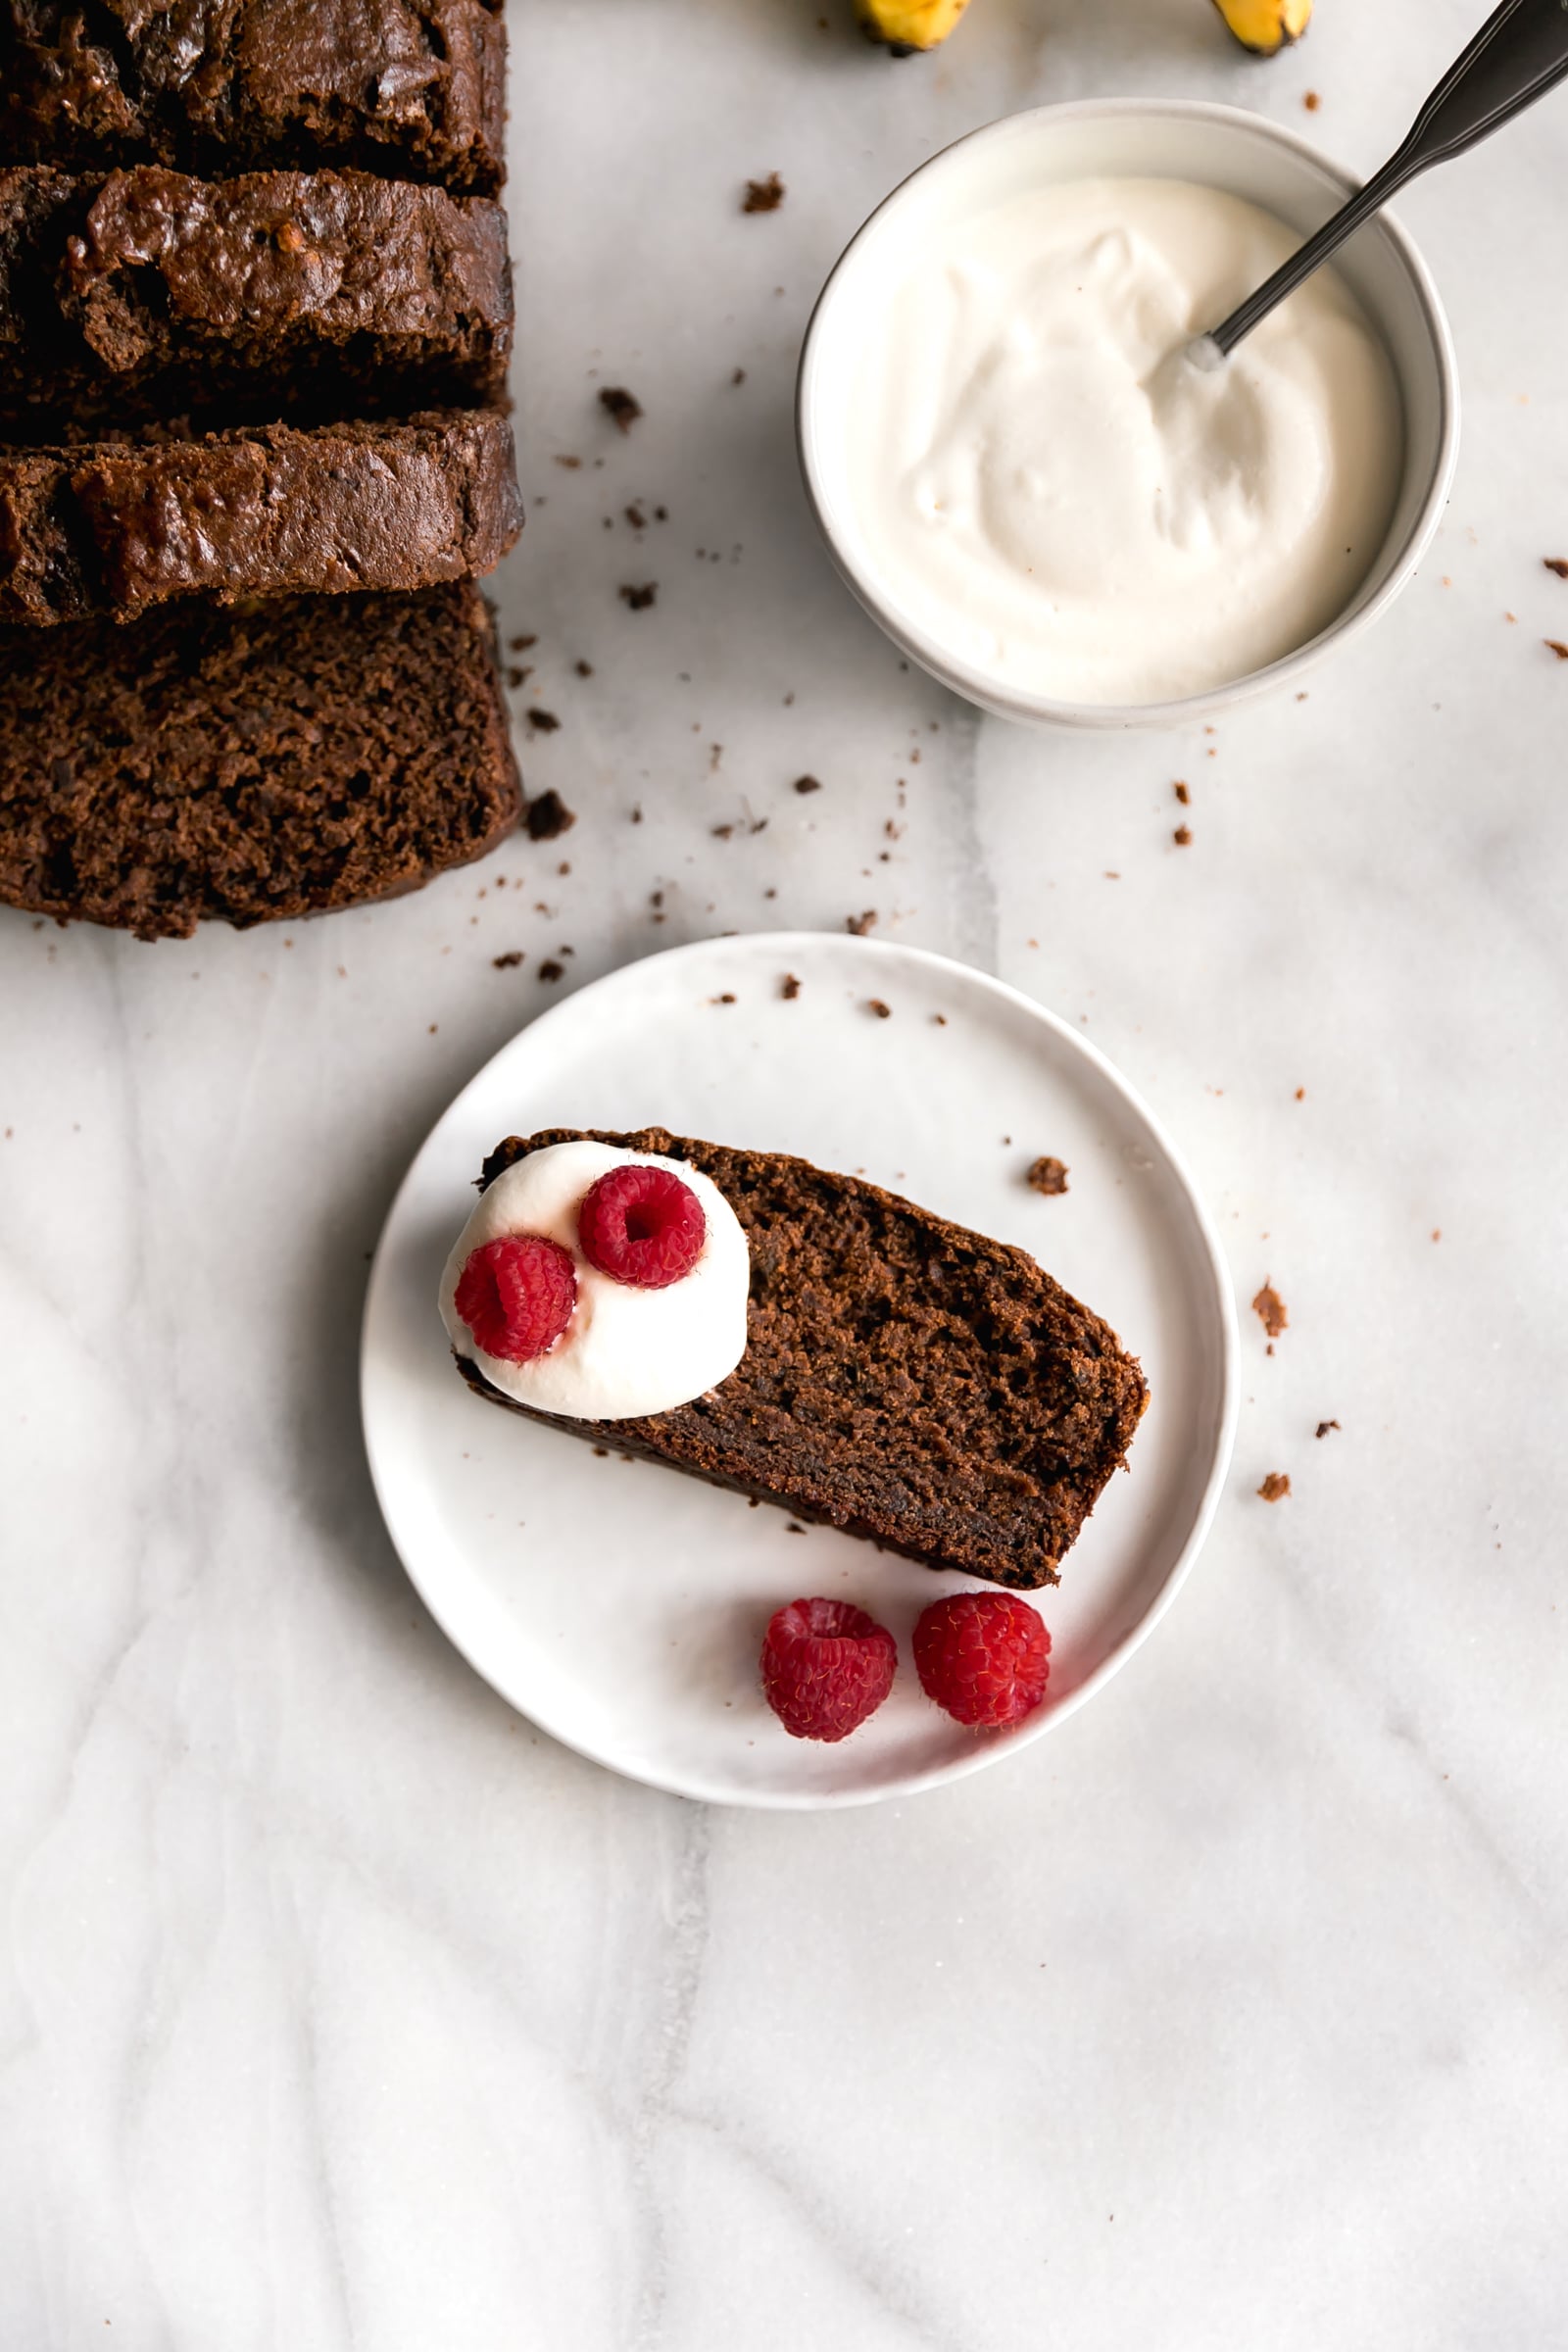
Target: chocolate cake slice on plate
904,1379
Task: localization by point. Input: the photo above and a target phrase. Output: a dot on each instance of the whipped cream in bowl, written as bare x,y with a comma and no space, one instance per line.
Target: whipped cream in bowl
625,1351
1030,486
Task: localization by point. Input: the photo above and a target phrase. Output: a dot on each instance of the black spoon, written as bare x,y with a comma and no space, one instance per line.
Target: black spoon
1519,54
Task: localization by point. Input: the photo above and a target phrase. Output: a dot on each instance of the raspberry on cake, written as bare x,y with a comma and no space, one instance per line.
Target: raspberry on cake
882,1370
516,1295
642,1225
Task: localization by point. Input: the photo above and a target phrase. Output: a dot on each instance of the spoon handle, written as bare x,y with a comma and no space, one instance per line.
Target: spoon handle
1519,54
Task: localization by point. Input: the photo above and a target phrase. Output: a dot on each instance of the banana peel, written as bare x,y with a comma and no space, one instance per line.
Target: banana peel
1265,27
905,25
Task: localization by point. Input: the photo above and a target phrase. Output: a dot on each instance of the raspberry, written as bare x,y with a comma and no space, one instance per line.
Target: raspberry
983,1657
826,1666
516,1295
642,1226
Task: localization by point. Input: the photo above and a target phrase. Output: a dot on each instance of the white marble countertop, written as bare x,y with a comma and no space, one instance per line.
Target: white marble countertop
340,2009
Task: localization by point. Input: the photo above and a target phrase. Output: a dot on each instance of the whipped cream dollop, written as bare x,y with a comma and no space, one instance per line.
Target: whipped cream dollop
626,1350
1045,482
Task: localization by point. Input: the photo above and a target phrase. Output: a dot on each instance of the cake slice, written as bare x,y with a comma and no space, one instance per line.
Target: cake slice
250,765
112,528
409,88
130,297
903,1378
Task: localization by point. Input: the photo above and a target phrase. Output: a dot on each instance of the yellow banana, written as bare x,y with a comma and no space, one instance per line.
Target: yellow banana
904,25
1266,25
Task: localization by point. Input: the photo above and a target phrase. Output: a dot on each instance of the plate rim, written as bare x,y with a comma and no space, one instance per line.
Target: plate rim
985,1753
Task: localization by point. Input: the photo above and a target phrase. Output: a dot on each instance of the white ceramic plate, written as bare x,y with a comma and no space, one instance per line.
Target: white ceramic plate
621,1605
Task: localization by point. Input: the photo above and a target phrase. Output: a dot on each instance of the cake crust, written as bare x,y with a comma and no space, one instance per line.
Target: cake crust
905,1379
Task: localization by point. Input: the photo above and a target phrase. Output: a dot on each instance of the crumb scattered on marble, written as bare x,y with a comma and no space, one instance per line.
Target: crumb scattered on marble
545,720
883,1011
1046,1175
621,406
1555,645
1323,1427
807,784
639,599
1275,1487
1556,563
508,963
549,969
763,195
1311,101
1182,836
789,988
1182,792
548,816
1269,1309
857,925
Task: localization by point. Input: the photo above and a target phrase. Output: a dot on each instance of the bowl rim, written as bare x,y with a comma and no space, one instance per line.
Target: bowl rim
975,685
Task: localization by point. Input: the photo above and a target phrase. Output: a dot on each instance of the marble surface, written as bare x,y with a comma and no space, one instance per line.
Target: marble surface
340,2009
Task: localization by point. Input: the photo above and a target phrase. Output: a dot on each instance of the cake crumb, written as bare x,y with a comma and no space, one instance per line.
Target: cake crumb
508,963
721,832
521,645
763,195
1556,646
941,1020
789,988
549,969
726,999
1269,1309
637,518
1275,1487
548,816
545,720
1323,1427
883,1011
584,669
621,406
807,784
639,599
1182,792
1311,101
1182,836
571,464
857,925
1556,563
1436,1233
1046,1175
1300,1094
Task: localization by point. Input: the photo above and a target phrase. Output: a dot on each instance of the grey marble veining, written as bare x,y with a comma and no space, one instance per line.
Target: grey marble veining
340,2011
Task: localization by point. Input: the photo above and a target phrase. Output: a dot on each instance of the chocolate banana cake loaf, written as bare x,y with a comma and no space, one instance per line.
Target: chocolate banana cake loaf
251,763
409,88
128,298
904,1379
113,528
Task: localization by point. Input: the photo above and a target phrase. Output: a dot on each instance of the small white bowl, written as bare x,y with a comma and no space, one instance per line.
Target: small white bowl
1217,146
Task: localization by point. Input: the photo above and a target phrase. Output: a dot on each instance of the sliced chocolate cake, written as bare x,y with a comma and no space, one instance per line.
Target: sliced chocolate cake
113,528
414,89
252,763
130,298
902,1378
